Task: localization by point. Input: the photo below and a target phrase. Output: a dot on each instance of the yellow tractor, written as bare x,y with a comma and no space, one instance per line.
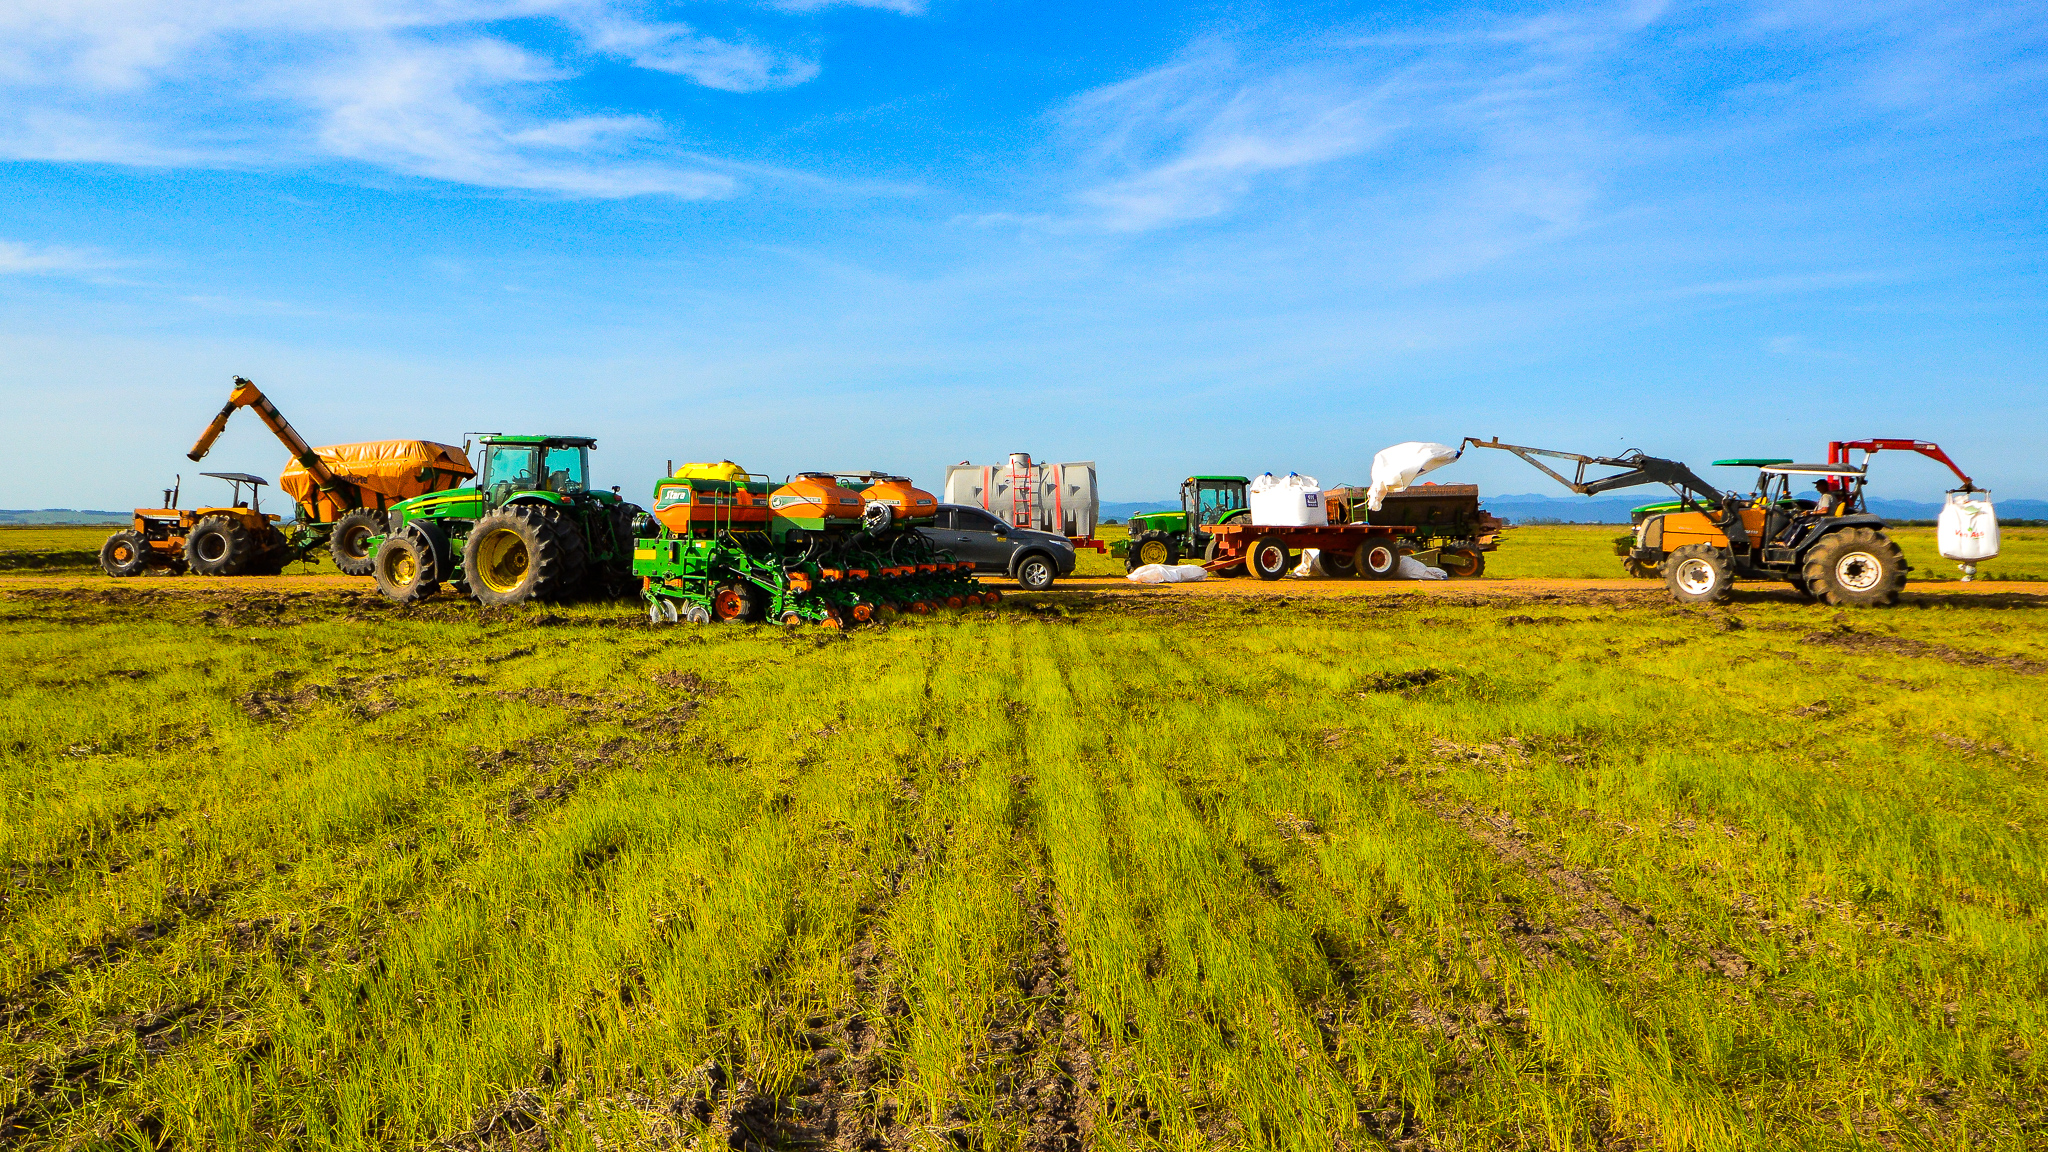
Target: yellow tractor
235,539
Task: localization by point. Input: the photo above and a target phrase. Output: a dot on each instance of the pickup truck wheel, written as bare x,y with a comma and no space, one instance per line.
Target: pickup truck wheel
1035,573
1268,558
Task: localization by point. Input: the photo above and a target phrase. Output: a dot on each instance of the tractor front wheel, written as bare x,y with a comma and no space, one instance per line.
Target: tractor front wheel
1698,574
1268,558
350,543
124,554
524,552
404,569
1152,548
1856,568
218,546
1640,570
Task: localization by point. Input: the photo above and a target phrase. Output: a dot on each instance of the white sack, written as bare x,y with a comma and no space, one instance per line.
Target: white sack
1168,574
1397,467
1413,569
1968,527
1307,567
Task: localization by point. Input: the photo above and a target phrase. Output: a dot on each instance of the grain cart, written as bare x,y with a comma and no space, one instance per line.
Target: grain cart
529,529
728,548
1830,547
344,491
235,539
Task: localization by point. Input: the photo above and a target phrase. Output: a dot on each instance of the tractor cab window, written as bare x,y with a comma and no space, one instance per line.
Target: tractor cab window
564,471
510,468
1212,502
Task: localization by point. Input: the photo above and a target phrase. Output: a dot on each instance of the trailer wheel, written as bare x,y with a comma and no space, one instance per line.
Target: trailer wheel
1268,558
1463,563
1698,574
218,546
124,554
349,544
404,569
1376,559
1335,563
1856,568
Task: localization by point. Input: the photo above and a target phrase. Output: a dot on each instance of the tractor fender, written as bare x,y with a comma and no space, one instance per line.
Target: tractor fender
435,537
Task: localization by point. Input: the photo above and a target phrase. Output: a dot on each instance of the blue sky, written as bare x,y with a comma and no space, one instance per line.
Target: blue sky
1169,238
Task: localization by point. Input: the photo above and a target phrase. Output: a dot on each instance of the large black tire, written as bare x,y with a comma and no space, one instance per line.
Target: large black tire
405,568
1151,548
349,544
1036,572
1640,570
1337,563
524,552
1377,559
219,546
1856,568
125,553
1698,574
615,577
1462,563
1269,558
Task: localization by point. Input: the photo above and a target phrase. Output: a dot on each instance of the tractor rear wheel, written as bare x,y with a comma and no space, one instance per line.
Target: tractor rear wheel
524,552
1377,559
405,568
1268,558
1152,548
1462,563
1698,574
350,543
219,546
1856,568
124,554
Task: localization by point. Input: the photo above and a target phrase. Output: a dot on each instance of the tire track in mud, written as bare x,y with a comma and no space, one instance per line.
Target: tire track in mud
56,1087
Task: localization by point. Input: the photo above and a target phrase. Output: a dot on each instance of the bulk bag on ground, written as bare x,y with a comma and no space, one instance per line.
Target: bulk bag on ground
1168,574
1397,467
1294,501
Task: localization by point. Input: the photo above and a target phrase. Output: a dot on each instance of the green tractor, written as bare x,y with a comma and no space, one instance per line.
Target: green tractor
530,529
1165,537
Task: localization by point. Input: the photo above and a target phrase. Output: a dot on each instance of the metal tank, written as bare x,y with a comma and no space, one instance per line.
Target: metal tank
1058,498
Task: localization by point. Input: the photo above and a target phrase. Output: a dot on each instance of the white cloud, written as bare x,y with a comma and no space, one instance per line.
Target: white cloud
454,90
20,259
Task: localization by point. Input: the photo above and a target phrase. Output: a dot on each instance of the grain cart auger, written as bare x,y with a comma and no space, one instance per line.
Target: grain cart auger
343,491
530,528
1830,548
726,547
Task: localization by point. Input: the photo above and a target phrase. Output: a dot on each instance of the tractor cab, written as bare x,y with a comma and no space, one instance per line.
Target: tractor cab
515,465
1212,499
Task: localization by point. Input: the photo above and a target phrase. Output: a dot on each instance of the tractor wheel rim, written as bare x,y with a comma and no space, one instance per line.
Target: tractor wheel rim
1151,552
212,546
352,540
403,569
1696,576
505,560
1858,571
121,554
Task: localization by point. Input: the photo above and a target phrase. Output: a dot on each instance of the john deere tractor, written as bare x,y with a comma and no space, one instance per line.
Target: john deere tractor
530,529
1166,537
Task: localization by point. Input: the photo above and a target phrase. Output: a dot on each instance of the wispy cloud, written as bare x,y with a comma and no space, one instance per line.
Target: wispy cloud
467,91
24,260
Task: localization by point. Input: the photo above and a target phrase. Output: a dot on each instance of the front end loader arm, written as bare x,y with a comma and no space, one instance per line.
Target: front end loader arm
1638,469
247,395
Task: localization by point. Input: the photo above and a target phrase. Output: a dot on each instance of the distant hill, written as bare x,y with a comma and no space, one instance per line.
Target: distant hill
63,516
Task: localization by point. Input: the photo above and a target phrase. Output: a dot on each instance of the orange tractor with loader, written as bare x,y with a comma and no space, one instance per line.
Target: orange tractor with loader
342,493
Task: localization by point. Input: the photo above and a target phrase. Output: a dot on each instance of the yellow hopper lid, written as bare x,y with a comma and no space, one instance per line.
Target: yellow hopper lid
723,470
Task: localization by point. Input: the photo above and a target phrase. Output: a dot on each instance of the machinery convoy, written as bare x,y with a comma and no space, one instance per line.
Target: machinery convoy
839,548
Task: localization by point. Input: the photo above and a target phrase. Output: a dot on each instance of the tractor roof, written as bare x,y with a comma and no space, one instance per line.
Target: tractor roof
557,441
1814,470
1224,479
238,477
1751,462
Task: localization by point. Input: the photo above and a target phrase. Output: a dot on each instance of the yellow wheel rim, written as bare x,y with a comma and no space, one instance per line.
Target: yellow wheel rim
503,560
121,554
1152,552
403,569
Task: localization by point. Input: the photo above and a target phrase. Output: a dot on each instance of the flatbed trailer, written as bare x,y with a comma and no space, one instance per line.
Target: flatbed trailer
1267,550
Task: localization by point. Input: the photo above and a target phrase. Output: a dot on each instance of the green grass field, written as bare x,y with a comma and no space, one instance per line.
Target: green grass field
1585,870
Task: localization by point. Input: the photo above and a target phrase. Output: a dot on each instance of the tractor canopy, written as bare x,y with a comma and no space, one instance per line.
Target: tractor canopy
395,468
1752,462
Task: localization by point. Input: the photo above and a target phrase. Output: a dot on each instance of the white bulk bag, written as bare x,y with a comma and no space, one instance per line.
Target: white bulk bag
1168,573
1413,569
1967,527
1397,467
1293,502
